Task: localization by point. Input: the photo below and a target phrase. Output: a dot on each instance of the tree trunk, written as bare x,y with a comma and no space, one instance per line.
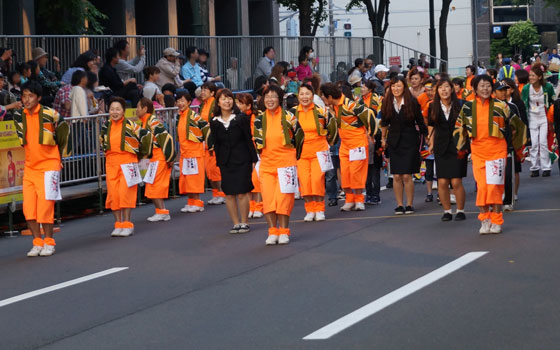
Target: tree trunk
379,19
444,51
317,18
305,17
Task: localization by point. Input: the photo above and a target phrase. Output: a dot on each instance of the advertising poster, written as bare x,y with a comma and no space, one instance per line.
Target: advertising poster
12,161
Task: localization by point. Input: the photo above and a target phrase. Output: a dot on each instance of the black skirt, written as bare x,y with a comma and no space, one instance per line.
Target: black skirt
405,158
237,179
448,166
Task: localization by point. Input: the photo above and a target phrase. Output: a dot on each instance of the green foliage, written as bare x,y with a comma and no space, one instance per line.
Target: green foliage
522,35
500,46
70,16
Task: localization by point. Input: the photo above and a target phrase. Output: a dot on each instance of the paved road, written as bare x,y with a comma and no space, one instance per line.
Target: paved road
191,285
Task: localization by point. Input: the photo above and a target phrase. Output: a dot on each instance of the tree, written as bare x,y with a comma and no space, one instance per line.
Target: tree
379,19
444,50
522,35
311,14
500,46
71,17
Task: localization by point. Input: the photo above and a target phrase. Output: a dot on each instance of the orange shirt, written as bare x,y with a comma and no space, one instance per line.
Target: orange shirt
468,83
350,137
275,155
205,111
423,100
313,142
367,99
39,157
484,147
520,87
189,149
115,139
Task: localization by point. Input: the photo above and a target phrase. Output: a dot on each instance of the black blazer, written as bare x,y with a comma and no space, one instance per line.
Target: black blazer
233,146
443,131
399,125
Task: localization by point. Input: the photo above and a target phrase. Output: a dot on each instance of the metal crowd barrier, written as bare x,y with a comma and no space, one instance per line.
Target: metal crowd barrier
233,58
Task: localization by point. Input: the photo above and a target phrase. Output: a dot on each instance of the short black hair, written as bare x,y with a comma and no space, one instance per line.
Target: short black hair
185,94
210,86
358,62
480,78
148,71
120,45
110,54
267,49
32,86
277,89
77,77
91,80
331,90
472,68
202,52
458,81
118,100
522,76
169,87
189,51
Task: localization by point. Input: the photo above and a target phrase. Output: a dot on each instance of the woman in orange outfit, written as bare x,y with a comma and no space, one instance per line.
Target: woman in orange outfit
207,95
161,160
244,102
192,132
123,142
320,129
355,122
278,137
484,122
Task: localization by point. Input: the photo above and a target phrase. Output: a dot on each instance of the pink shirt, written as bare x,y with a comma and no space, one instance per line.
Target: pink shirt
304,72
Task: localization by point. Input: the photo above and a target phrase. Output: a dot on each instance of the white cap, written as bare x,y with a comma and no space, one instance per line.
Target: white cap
380,68
170,52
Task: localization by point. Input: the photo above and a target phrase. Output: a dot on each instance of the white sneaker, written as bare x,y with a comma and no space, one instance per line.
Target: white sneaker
35,251
116,232
452,199
212,201
309,217
219,200
485,227
271,240
515,198
194,209
185,209
347,207
360,206
495,229
159,217
250,214
127,232
47,250
508,207
284,239
257,214
320,216
434,185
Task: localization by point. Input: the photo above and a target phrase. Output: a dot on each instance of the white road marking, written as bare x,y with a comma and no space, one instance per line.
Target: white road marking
60,286
391,298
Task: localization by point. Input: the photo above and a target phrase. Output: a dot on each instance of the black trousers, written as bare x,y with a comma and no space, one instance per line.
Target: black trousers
373,181
508,181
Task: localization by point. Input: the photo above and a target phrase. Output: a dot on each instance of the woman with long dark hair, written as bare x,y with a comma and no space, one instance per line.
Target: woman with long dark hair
451,165
230,131
401,125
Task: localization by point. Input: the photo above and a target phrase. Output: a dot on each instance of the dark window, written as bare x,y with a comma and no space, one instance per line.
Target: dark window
512,14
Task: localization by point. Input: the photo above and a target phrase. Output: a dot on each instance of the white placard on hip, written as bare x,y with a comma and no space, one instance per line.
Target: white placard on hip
287,178
131,174
151,172
325,161
495,171
52,186
190,166
143,164
358,154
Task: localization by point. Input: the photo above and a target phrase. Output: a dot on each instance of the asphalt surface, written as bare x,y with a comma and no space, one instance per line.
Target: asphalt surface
191,285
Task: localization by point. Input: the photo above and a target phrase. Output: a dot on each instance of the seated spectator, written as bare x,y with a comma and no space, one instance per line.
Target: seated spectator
84,62
49,80
34,71
14,84
169,89
5,60
8,103
191,71
356,71
264,67
24,71
303,70
78,97
127,69
95,105
232,75
108,77
203,56
151,91
169,67
62,103
292,86
279,74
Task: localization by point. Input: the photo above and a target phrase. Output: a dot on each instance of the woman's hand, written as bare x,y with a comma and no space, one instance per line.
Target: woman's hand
384,143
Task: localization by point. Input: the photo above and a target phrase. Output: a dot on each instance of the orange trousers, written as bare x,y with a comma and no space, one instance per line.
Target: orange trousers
311,178
273,199
160,187
212,170
256,182
353,173
192,183
119,195
486,194
35,206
